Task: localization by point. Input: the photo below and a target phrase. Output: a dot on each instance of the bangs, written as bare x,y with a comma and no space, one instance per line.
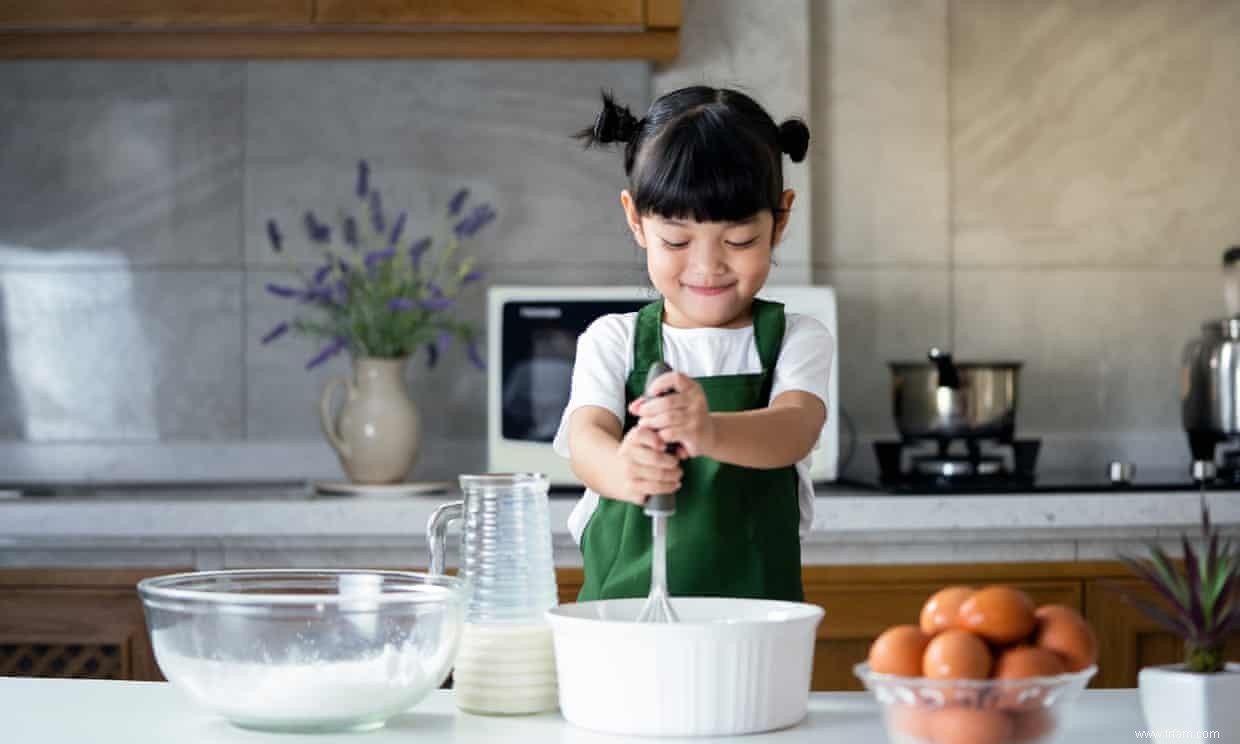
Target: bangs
704,169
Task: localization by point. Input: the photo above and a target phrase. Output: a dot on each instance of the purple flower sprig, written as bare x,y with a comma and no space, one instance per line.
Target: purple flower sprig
381,293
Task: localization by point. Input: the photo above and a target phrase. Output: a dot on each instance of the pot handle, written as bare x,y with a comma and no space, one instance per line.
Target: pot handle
949,376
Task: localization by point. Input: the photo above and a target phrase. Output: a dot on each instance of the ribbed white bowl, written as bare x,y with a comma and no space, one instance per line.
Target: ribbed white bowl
731,666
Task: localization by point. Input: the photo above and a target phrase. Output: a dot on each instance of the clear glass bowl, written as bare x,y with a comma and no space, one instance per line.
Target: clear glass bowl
305,650
918,710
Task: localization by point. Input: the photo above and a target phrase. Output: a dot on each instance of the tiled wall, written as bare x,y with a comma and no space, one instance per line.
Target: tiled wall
1051,182
133,197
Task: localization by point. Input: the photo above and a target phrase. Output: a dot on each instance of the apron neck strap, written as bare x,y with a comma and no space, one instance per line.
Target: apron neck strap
768,330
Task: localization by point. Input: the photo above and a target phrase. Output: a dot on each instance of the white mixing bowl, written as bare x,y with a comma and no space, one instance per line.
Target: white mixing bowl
730,666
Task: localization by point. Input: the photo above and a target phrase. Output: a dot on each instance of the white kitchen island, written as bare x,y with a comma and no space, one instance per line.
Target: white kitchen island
52,711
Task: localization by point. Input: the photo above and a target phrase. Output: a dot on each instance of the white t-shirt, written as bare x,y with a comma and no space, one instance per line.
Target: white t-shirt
605,359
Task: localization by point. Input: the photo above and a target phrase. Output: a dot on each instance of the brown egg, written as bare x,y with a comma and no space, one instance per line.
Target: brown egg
1020,662
1032,725
957,725
1062,629
1000,614
911,720
956,654
940,611
899,650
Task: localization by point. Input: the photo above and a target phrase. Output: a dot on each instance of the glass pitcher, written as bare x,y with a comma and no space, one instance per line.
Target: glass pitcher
506,662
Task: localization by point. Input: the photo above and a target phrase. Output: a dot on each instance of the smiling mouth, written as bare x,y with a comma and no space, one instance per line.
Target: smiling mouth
708,290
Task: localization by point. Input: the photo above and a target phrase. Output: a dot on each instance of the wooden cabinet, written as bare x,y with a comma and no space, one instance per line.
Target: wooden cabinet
1127,639
582,29
89,623
74,623
152,14
863,601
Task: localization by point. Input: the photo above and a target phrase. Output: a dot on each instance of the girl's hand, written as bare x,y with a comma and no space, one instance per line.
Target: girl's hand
645,467
683,418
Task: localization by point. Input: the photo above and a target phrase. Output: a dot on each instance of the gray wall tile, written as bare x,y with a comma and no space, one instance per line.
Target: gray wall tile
880,108
119,355
884,315
504,129
143,161
1101,348
1094,133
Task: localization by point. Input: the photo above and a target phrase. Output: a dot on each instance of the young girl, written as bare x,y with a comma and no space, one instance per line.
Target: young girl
706,204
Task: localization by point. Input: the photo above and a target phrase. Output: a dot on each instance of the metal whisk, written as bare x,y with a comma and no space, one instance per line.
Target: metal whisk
658,608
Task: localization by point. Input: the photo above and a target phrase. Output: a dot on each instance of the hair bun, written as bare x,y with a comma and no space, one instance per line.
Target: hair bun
615,123
794,139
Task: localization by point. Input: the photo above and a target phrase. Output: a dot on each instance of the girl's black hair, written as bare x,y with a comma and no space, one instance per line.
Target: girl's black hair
710,154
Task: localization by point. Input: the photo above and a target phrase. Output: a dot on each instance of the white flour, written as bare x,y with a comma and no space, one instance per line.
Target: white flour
383,684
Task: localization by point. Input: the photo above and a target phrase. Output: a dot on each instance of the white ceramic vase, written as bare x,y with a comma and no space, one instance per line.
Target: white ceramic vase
1180,705
376,432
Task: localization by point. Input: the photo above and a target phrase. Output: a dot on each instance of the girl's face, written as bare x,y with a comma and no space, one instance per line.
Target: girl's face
708,272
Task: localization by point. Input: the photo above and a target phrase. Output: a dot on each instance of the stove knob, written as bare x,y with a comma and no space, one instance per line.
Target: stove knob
1121,473
1204,470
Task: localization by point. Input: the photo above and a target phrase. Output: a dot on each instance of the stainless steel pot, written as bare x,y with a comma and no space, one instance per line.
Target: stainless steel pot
1210,387
944,399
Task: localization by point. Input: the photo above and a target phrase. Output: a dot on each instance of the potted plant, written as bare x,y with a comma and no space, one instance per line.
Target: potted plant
381,294
1200,605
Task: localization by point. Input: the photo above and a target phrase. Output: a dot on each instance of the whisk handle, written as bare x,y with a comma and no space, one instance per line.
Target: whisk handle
660,504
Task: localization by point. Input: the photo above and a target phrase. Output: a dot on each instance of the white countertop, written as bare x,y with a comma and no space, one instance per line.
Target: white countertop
224,527
46,711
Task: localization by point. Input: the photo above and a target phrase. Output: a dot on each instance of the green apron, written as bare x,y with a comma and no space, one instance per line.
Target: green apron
735,532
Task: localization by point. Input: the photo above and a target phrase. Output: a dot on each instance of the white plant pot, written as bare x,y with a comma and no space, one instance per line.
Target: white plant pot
1179,705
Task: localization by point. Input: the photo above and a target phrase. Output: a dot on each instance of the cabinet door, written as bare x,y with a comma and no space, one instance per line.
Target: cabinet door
857,614
80,633
1127,640
483,12
43,14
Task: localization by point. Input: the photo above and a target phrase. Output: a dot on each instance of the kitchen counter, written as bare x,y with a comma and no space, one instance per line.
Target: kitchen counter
237,526
51,711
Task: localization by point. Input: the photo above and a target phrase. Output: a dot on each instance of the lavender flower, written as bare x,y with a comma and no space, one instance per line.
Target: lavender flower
317,231
436,348
275,333
374,258
322,295
273,235
416,250
337,345
376,211
436,303
471,277
397,229
363,179
474,221
350,232
400,304
322,272
282,291
472,350
458,201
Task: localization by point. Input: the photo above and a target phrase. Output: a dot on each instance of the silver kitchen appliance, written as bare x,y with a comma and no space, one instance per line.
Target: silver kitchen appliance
1210,381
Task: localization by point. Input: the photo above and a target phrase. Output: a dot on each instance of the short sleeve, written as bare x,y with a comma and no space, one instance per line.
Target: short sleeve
804,358
604,356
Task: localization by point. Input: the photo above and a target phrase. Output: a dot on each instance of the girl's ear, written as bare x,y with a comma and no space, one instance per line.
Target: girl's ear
632,217
785,211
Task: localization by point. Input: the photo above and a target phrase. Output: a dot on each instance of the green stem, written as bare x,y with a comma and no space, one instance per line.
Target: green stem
1204,659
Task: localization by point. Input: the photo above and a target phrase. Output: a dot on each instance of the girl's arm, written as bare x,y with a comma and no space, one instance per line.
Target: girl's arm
627,468
772,437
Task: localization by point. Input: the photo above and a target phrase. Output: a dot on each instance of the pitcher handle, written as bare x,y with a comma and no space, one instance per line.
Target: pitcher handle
437,531
328,421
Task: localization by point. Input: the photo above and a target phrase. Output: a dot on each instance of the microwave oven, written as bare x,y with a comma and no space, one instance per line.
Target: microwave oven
532,342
